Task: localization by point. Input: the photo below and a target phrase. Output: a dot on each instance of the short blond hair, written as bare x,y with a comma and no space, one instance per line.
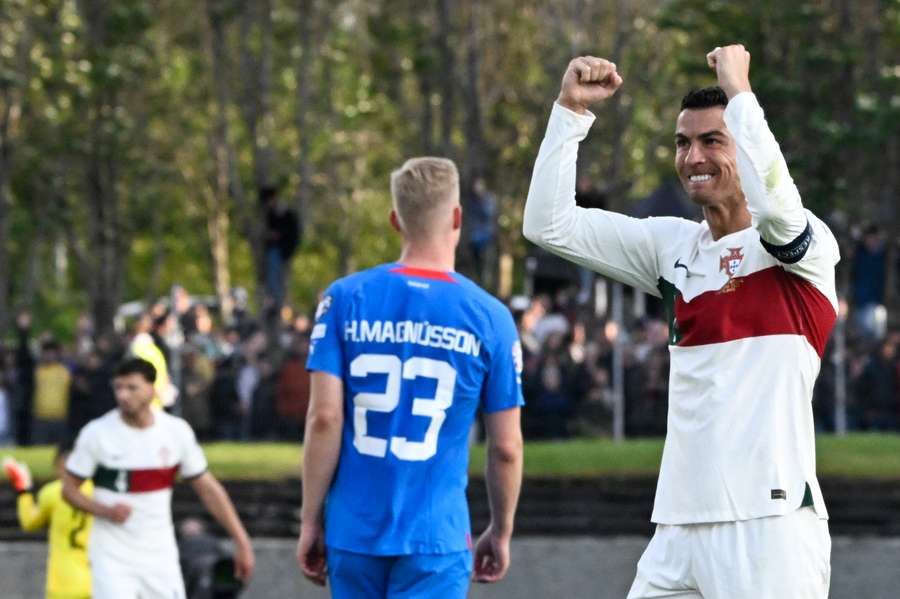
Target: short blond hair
419,188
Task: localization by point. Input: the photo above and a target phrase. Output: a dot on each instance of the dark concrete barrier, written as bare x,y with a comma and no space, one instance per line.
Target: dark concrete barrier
549,507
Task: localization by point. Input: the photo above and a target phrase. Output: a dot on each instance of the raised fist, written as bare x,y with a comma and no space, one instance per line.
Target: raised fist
588,80
732,67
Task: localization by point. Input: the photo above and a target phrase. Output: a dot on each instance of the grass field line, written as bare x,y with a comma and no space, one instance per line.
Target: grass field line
860,455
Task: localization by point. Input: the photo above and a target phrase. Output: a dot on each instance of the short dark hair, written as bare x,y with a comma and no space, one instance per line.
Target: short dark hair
706,97
136,366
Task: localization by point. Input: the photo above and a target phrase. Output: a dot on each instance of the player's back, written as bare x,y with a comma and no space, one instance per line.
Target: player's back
418,352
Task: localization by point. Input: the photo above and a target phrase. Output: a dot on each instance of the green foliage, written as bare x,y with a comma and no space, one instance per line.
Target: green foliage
130,85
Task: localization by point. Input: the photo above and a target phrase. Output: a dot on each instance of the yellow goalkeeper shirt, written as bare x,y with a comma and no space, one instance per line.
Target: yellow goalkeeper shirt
68,573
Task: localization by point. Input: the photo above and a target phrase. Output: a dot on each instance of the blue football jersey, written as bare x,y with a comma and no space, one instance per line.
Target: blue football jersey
419,352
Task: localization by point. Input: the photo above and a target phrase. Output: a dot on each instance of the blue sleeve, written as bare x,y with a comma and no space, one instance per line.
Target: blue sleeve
326,350
502,388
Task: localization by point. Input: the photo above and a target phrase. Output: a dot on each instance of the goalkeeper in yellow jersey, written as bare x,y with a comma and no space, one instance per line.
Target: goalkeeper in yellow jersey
68,573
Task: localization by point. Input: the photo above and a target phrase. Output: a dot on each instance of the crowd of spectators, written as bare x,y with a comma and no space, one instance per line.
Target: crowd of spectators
247,380
230,383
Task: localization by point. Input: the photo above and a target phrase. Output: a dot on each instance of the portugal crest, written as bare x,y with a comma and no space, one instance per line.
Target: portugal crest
729,265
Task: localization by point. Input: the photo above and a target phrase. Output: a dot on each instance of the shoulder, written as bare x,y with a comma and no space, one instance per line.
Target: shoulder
494,311
175,424
50,492
354,283
98,426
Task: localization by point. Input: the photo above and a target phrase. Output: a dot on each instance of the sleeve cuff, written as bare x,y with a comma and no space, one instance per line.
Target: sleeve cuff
188,478
572,118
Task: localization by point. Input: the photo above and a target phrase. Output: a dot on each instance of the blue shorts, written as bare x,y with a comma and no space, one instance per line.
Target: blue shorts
359,576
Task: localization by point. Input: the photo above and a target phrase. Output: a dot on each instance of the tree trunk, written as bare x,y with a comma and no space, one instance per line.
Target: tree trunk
448,69
475,163
305,19
256,111
4,224
616,124
217,219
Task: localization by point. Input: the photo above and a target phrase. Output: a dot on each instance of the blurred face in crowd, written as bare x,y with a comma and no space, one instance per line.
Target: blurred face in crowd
706,157
133,395
204,323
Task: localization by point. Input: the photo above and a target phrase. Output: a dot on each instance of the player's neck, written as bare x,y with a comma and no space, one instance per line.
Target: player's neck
142,419
727,218
428,257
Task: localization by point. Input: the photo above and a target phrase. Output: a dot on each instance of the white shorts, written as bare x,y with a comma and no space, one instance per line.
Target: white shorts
113,579
763,558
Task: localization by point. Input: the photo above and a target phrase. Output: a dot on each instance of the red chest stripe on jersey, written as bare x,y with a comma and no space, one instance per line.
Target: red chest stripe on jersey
424,273
767,302
152,479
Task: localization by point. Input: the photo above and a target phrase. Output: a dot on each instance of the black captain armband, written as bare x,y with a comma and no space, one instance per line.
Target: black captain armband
792,252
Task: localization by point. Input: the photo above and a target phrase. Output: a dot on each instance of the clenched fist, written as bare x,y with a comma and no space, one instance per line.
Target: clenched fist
732,67
588,80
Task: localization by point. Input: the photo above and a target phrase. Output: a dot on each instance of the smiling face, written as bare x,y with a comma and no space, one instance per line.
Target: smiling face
706,157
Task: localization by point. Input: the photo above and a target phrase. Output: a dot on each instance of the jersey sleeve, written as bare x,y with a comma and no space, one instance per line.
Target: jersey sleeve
502,387
802,243
83,460
618,246
326,350
34,516
193,460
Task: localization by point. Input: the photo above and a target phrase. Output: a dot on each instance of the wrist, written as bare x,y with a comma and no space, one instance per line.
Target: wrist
502,530
570,104
310,520
733,89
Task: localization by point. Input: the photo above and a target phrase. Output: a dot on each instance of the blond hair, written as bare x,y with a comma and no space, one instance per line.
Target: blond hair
419,188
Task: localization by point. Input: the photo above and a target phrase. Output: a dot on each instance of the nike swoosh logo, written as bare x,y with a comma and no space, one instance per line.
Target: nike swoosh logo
678,264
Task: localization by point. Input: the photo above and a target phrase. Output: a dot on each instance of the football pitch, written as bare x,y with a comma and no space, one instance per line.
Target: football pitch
860,455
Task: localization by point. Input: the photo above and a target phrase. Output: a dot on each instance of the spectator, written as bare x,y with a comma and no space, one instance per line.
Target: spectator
293,391
225,405
869,272
552,406
877,389
145,346
262,410
198,373
91,393
282,236
481,216
22,380
51,395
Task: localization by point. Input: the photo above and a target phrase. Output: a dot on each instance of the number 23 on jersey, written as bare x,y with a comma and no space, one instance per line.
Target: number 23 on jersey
434,408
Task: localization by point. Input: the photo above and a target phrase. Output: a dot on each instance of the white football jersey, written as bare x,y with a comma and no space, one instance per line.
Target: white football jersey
137,467
749,316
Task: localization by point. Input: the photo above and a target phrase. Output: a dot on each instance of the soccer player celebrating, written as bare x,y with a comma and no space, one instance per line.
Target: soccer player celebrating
133,454
403,356
68,574
751,299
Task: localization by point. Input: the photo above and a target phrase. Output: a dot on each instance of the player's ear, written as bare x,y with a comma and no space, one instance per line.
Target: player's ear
395,221
457,217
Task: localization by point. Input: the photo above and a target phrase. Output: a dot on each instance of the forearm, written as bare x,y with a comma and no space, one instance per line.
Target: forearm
218,503
321,451
503,474
31,518
78,500
550,207
772,197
